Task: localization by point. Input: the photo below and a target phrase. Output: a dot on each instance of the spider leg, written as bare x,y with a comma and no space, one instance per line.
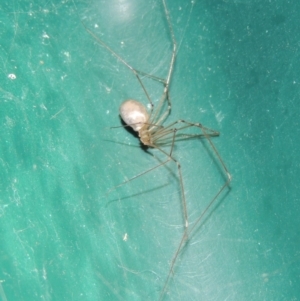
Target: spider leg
206,133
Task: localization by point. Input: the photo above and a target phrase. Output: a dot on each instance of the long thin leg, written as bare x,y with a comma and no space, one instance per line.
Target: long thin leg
158,79
165,96
174,46
136,72
159,133
188,231
137,176
170,155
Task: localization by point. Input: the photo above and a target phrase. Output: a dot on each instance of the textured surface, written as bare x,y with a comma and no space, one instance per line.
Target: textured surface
237,71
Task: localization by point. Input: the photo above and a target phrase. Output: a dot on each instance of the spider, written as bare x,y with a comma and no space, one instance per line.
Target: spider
149,125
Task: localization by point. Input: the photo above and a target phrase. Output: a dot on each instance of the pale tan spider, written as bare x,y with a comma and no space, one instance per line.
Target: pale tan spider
153,134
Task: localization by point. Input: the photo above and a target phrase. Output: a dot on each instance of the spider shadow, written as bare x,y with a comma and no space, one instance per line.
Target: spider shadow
186,244
136,194
146,149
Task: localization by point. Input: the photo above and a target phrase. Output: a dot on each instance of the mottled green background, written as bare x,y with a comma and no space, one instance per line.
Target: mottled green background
237,71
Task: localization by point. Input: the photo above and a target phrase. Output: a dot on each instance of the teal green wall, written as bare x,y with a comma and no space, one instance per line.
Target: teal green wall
237,71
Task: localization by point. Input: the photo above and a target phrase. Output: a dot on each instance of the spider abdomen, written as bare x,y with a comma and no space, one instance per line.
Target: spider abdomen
134,114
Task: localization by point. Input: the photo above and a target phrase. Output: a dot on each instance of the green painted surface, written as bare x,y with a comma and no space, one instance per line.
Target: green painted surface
237,71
